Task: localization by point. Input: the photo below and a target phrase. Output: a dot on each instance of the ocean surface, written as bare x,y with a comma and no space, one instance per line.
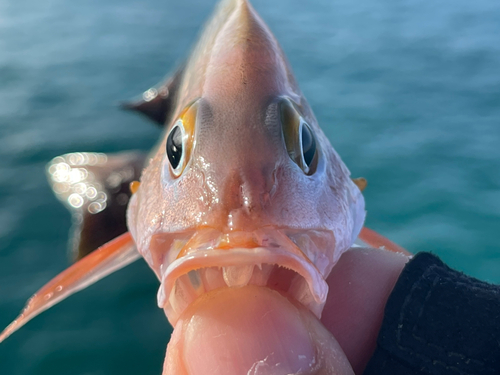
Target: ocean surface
407,91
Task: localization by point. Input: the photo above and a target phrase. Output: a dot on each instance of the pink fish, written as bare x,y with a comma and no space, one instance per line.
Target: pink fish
243,187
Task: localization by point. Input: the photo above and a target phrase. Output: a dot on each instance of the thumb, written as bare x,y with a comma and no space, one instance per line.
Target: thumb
251,331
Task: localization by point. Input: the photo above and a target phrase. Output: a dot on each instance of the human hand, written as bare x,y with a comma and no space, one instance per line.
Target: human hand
257,331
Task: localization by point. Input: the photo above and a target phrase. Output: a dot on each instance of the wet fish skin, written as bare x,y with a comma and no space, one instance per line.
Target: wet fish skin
239,176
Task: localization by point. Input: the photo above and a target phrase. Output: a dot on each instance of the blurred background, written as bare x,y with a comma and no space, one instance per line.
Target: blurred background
407,91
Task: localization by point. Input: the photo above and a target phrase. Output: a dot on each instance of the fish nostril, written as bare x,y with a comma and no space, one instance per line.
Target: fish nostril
246,194
233,197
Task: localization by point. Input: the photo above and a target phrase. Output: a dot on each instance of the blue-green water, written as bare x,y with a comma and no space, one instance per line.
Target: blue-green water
407,91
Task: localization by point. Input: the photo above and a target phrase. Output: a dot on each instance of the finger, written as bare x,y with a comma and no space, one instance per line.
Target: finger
251,330
360,284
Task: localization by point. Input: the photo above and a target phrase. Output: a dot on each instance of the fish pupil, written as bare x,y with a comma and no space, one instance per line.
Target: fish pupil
308,145
174,146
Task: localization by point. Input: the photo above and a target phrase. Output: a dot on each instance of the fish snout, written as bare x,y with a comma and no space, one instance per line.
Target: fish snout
246,195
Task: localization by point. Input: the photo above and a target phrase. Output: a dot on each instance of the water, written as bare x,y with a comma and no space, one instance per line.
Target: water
407,91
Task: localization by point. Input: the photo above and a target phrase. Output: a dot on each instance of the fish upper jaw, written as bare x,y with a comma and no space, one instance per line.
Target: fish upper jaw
267,257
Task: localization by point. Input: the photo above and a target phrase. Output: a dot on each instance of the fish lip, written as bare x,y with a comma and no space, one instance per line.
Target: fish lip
240,257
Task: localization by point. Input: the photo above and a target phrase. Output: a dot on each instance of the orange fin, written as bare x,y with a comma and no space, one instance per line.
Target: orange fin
370,238
107,259
360,182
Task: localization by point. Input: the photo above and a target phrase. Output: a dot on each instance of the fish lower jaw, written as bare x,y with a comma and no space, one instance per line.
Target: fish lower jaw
292,277
195,283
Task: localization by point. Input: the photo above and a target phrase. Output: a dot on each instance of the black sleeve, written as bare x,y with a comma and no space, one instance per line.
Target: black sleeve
438,321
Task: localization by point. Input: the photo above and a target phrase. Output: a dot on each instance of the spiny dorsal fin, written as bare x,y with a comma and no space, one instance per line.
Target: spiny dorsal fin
157,102
360,183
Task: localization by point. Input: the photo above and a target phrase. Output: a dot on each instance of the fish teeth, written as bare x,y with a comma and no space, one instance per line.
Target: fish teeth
195,280
261,274
184,292
299,289
194,283
212,278
177,299
237,275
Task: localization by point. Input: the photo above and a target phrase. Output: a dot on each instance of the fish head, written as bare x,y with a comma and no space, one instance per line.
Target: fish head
244,187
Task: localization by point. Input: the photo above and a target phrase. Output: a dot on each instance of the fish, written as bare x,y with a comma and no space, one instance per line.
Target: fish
242,188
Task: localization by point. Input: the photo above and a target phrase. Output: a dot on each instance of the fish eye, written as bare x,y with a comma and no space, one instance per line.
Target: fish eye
180,140
175,146
308,144
299,138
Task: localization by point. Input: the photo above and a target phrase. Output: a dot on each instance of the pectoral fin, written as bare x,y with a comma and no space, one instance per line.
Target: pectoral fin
360,182
369,238
109,258
158,102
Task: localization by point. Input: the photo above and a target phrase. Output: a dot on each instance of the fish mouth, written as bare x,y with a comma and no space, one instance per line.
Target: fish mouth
281,266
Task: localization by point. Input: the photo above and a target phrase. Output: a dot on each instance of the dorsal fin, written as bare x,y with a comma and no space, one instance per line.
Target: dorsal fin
157,102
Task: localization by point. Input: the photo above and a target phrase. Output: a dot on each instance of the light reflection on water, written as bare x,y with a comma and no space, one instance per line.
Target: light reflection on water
75,185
